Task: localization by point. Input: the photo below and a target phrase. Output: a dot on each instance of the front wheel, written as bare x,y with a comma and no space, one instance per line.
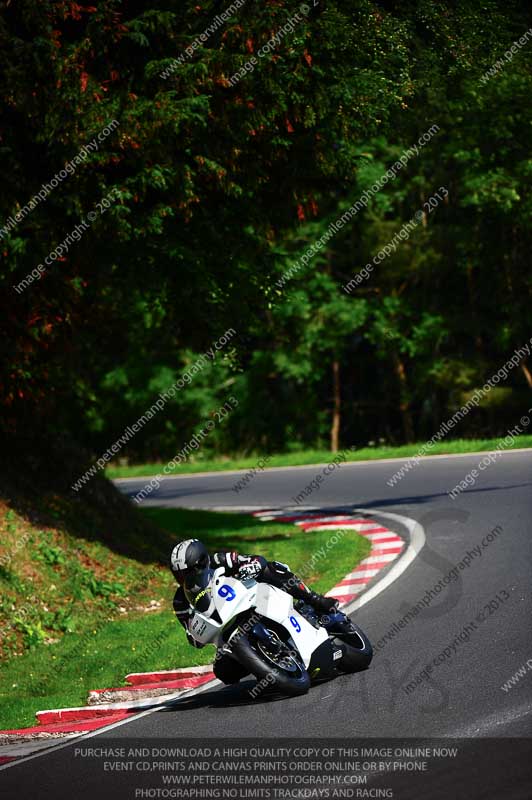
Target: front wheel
357,648
273,663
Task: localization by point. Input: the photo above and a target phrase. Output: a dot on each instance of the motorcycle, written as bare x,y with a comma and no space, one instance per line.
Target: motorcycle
281,643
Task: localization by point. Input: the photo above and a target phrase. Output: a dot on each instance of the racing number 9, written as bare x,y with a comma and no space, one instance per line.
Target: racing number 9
226,592
296,624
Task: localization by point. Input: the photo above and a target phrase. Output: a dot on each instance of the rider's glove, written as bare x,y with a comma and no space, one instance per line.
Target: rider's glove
233,563
229,560
250,570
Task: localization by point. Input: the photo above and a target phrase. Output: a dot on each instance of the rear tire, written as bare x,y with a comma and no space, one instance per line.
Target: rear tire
358,651
248,654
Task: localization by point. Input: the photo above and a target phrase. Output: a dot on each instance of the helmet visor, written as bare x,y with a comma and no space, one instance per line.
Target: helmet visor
182,574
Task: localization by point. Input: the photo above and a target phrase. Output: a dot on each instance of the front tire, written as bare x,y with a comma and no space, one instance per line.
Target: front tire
358,651
292,681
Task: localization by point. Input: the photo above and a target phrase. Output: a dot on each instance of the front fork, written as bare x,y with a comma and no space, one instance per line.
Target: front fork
250,624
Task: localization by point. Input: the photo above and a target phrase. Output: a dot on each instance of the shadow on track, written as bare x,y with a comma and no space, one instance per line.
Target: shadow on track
237,696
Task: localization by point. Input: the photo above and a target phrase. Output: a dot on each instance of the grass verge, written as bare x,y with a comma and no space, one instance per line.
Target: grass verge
309,457
105,643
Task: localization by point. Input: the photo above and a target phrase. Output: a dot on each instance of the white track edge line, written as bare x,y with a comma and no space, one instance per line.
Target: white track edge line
417,542
91,734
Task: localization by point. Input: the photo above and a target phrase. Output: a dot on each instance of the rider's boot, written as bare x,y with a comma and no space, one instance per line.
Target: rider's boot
322,604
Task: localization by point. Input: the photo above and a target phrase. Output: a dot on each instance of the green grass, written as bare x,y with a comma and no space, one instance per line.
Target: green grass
277,542
103,650
309,457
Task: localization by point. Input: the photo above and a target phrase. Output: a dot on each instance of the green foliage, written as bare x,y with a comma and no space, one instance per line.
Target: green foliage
50,555
85,583
34,633
63,620
219,188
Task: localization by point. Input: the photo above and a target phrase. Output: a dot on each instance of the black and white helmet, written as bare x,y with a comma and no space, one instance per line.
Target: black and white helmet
189,557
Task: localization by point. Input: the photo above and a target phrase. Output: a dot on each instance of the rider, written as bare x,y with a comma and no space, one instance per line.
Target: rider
191,557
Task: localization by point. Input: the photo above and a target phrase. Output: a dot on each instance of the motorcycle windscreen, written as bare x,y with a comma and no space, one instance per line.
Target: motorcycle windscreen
198,590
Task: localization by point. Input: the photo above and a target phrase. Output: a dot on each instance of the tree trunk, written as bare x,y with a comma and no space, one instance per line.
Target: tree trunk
404,404
336,415
424,218
473,303
526,373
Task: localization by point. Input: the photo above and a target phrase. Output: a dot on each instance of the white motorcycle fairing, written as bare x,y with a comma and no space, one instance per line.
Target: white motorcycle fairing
230,597
204,627
277,605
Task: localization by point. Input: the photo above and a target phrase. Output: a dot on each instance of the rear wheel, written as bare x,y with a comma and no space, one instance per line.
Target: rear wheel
273,663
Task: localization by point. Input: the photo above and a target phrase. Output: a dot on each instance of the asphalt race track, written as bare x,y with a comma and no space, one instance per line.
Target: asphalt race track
461,699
